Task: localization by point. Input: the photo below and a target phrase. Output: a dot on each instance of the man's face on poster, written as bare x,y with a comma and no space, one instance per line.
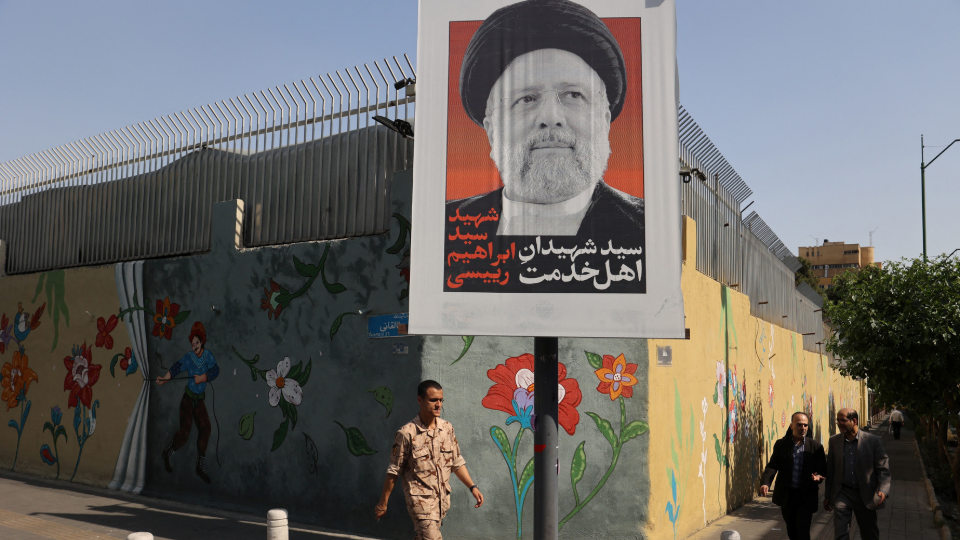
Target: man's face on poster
548,123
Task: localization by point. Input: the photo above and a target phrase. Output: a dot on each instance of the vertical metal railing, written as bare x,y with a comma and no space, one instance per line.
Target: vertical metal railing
306,157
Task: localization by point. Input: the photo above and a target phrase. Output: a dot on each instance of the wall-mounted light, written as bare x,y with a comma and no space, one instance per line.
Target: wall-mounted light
400,126
761,303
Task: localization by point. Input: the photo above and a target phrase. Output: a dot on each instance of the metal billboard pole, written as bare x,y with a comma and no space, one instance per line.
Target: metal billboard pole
546,459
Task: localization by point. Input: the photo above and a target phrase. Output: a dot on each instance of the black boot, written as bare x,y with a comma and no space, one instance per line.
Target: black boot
168,453
202,468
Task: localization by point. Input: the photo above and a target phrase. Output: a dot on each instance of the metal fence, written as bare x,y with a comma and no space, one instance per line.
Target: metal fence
742,253
307,158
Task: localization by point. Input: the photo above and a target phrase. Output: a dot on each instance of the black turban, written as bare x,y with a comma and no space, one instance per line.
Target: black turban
531,25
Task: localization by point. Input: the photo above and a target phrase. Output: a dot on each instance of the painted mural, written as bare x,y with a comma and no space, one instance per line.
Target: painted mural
42,345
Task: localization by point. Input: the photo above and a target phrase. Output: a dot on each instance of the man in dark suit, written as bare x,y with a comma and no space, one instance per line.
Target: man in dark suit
799,464
545,79
858,477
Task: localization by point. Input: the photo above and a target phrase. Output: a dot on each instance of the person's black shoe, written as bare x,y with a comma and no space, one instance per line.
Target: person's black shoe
202,468
168,453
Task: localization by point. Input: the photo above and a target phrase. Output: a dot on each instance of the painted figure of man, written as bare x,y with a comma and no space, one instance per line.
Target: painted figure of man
425,451
858,477
201,368
800,465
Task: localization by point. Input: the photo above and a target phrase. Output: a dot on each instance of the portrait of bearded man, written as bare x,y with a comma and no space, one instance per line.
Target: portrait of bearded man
545,79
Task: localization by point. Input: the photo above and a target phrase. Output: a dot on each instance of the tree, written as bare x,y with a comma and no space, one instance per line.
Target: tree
898,327
805,275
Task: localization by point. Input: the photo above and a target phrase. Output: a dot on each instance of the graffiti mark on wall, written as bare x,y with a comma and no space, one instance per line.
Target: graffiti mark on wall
285,390
82,374
276,298
512,393
55,297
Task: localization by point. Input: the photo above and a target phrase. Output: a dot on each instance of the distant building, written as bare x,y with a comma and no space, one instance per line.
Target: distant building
833,258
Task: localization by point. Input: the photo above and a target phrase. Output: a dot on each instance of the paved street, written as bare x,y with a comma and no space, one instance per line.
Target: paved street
907,516
36,509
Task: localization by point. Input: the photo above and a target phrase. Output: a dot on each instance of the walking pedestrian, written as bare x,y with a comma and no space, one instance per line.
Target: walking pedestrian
896,422
425,452
858,478
799,464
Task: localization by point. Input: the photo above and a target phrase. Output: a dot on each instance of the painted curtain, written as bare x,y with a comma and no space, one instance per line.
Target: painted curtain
130,470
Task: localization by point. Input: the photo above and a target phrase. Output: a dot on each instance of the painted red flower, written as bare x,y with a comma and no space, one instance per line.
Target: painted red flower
616,377
165,319
104,327
512,392
125,361
269,301
82,374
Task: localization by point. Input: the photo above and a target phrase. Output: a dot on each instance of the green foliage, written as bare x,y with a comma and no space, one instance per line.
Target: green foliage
356,443
898,327
55,301
806,275
467,342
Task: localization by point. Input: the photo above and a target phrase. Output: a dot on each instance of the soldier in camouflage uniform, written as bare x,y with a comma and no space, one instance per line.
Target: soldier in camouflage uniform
425,451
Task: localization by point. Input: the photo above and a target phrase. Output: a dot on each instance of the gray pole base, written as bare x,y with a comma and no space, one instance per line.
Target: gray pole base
545,440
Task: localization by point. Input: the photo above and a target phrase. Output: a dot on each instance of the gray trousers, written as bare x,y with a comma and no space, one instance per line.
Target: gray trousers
849,504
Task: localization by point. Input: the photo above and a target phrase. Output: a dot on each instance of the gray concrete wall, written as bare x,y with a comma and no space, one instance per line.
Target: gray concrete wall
325,482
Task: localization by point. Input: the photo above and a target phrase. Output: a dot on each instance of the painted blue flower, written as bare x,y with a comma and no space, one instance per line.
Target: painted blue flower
522,408
56,415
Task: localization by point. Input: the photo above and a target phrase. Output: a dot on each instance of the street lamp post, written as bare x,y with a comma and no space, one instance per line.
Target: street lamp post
923,189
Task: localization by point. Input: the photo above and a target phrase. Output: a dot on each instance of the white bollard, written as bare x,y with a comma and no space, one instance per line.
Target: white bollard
140,536
277,525
730,535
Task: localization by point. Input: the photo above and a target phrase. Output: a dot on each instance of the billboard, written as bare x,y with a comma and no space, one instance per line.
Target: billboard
546,197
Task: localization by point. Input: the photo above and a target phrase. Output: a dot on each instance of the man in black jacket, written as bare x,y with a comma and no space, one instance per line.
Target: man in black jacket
800,464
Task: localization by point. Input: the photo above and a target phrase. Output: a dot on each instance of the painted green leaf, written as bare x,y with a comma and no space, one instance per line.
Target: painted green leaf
605,428
384,396
467,342
246,426
577,467
47,426
402,238
673,456
632,430
295,371
678,413
60,431
113,363
181,317
356,444
335,327
716,447
289,411
304,375
279,435
313,455
596,361
526,476
503,443
716,396
690,439
404,293
36,293
306,270
14,425
332,288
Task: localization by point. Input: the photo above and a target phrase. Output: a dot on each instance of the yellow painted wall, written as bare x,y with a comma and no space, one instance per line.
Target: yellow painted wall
685,416
87,295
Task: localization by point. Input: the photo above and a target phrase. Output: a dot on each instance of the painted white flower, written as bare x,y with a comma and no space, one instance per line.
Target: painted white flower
524,379
704,405
80,371
281,385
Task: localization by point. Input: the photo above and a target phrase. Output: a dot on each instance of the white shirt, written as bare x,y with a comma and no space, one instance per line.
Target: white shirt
896,416
556,219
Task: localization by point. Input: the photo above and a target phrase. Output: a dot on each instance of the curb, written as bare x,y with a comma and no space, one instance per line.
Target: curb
932,498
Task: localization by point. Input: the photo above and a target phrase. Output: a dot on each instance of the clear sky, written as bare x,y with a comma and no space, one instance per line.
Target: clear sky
819,105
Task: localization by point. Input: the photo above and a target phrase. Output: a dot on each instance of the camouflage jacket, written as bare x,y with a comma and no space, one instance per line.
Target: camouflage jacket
423,460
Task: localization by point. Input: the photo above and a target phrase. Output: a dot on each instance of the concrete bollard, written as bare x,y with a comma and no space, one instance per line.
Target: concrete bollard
277,525
140,536
729,535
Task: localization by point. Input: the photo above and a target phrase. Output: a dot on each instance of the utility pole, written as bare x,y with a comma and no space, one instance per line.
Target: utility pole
546,456
923,189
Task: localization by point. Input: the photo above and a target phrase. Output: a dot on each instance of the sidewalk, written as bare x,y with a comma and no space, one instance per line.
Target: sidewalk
37,509
907,516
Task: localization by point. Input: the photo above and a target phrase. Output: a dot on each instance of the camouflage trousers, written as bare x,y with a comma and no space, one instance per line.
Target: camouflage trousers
427,529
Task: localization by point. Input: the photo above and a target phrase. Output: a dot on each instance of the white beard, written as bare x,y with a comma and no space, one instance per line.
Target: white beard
553,178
